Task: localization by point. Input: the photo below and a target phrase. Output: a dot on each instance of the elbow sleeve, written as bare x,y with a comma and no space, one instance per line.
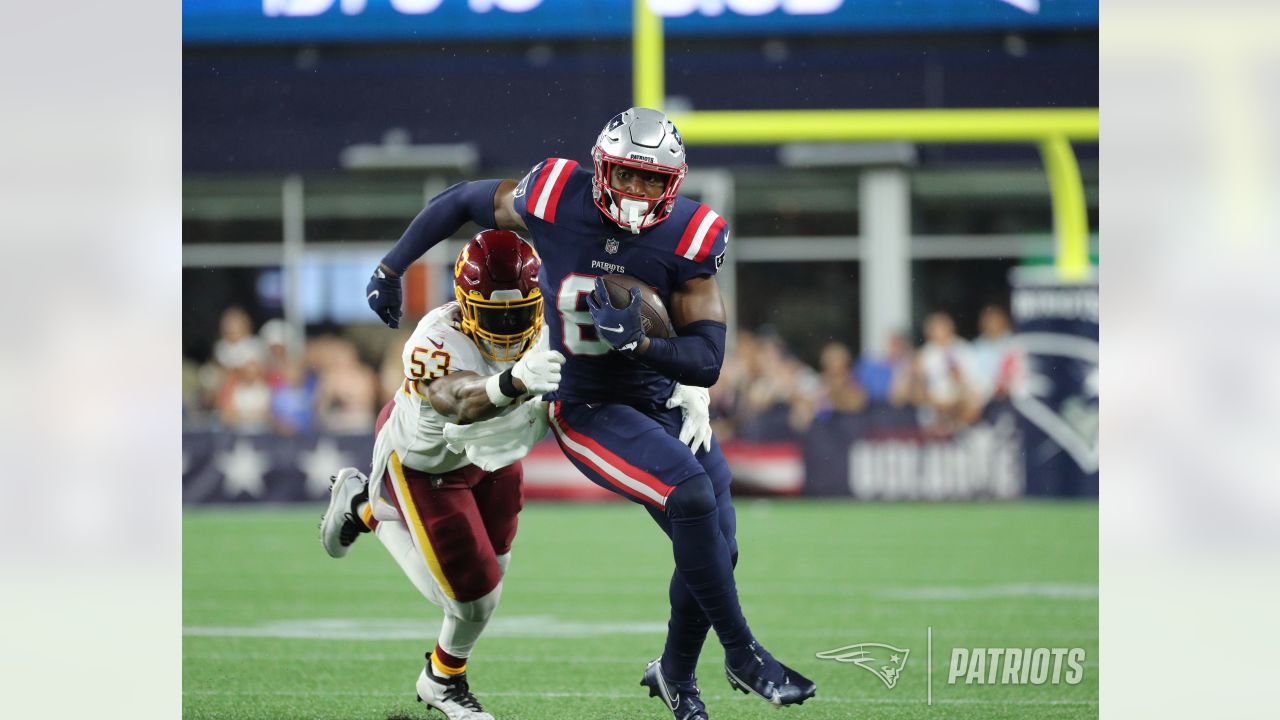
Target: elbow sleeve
693,357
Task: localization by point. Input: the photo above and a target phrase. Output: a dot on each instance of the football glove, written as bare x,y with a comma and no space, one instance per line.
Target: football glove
538,371
695,405
383,293
620,327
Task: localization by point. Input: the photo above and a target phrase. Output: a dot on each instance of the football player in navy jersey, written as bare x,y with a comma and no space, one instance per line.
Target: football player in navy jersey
610,413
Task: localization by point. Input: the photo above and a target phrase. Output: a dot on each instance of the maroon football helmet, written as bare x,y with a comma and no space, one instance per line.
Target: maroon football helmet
496,282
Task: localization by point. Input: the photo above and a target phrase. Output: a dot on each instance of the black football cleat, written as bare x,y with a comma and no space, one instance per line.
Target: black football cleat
683,699
763,676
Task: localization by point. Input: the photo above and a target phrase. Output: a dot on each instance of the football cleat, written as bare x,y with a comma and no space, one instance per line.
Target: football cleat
763,676
451,696
683,699
340,527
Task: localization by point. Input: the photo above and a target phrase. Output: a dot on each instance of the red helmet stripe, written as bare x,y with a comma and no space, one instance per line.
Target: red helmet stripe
546,194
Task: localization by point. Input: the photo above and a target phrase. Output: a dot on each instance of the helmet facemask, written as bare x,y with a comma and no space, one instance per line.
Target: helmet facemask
505,326
634,212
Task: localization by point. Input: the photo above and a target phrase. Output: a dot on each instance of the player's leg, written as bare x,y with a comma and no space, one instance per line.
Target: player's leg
350,513
688,626
500,498
449,558
635,455
632,454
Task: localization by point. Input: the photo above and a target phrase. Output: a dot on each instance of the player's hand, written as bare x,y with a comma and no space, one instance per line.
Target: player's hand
383,292
695,405
538,371
620,327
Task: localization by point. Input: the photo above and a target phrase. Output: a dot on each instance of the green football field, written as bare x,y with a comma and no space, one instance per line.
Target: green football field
274,628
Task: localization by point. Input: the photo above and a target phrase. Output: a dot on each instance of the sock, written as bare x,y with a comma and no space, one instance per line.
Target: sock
703,558
445,664
686,631
364,512
458,637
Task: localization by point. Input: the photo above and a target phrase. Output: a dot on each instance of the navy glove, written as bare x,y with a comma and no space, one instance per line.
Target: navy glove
384,296
620,327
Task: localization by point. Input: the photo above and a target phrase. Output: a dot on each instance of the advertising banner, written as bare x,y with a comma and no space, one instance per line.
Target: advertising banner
886,455
223,467
1057,329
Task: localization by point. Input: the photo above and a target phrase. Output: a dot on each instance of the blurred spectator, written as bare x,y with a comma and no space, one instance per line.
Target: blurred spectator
245,401
237,345
995,358
275,337
726,394
347,390
776,396
947,394
887,378
391,371
192,390
836,390
293,400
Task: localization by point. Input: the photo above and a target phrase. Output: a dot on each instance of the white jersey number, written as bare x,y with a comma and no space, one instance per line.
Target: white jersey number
576,325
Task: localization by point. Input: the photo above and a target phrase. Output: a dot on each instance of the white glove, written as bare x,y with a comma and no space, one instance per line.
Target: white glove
539,371
695,405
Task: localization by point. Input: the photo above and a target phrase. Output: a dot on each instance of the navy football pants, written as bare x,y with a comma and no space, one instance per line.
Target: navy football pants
639,455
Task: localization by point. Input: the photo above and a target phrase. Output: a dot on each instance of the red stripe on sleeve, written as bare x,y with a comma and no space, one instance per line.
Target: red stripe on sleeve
692,229
710,240
561,181
543,172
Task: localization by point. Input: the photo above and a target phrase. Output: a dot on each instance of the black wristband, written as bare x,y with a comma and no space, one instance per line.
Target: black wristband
507,384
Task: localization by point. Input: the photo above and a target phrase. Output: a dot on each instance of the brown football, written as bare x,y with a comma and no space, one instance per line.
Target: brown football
653,314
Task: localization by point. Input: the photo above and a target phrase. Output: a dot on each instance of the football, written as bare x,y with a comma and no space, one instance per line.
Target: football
653,314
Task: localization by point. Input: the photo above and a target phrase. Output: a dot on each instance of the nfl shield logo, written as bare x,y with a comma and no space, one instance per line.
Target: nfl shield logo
611,246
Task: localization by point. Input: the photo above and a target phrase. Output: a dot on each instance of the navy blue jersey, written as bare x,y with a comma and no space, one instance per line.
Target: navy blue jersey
578,244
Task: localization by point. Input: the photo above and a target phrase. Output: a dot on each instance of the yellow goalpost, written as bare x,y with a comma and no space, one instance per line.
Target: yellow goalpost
1051,130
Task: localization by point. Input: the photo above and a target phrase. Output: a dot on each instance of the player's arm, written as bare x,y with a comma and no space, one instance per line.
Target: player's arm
466,396
694,355
488,203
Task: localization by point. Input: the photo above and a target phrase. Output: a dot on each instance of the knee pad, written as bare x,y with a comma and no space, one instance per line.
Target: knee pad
503,561
692,498
478,610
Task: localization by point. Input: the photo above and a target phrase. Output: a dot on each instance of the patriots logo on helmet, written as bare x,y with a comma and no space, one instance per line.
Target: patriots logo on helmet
884,661
615,123
676,133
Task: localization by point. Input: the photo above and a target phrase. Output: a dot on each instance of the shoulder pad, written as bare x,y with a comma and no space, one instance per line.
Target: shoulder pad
548,184
700,234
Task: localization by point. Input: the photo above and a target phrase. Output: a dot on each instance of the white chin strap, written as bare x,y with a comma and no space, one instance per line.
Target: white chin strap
633,213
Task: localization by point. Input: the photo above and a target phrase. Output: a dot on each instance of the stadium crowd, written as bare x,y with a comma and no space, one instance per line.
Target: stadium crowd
253,384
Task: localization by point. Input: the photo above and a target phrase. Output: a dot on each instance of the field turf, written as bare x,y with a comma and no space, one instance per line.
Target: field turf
274,628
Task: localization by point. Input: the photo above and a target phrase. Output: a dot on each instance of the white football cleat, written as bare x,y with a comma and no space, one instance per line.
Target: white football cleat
451,696
340,527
